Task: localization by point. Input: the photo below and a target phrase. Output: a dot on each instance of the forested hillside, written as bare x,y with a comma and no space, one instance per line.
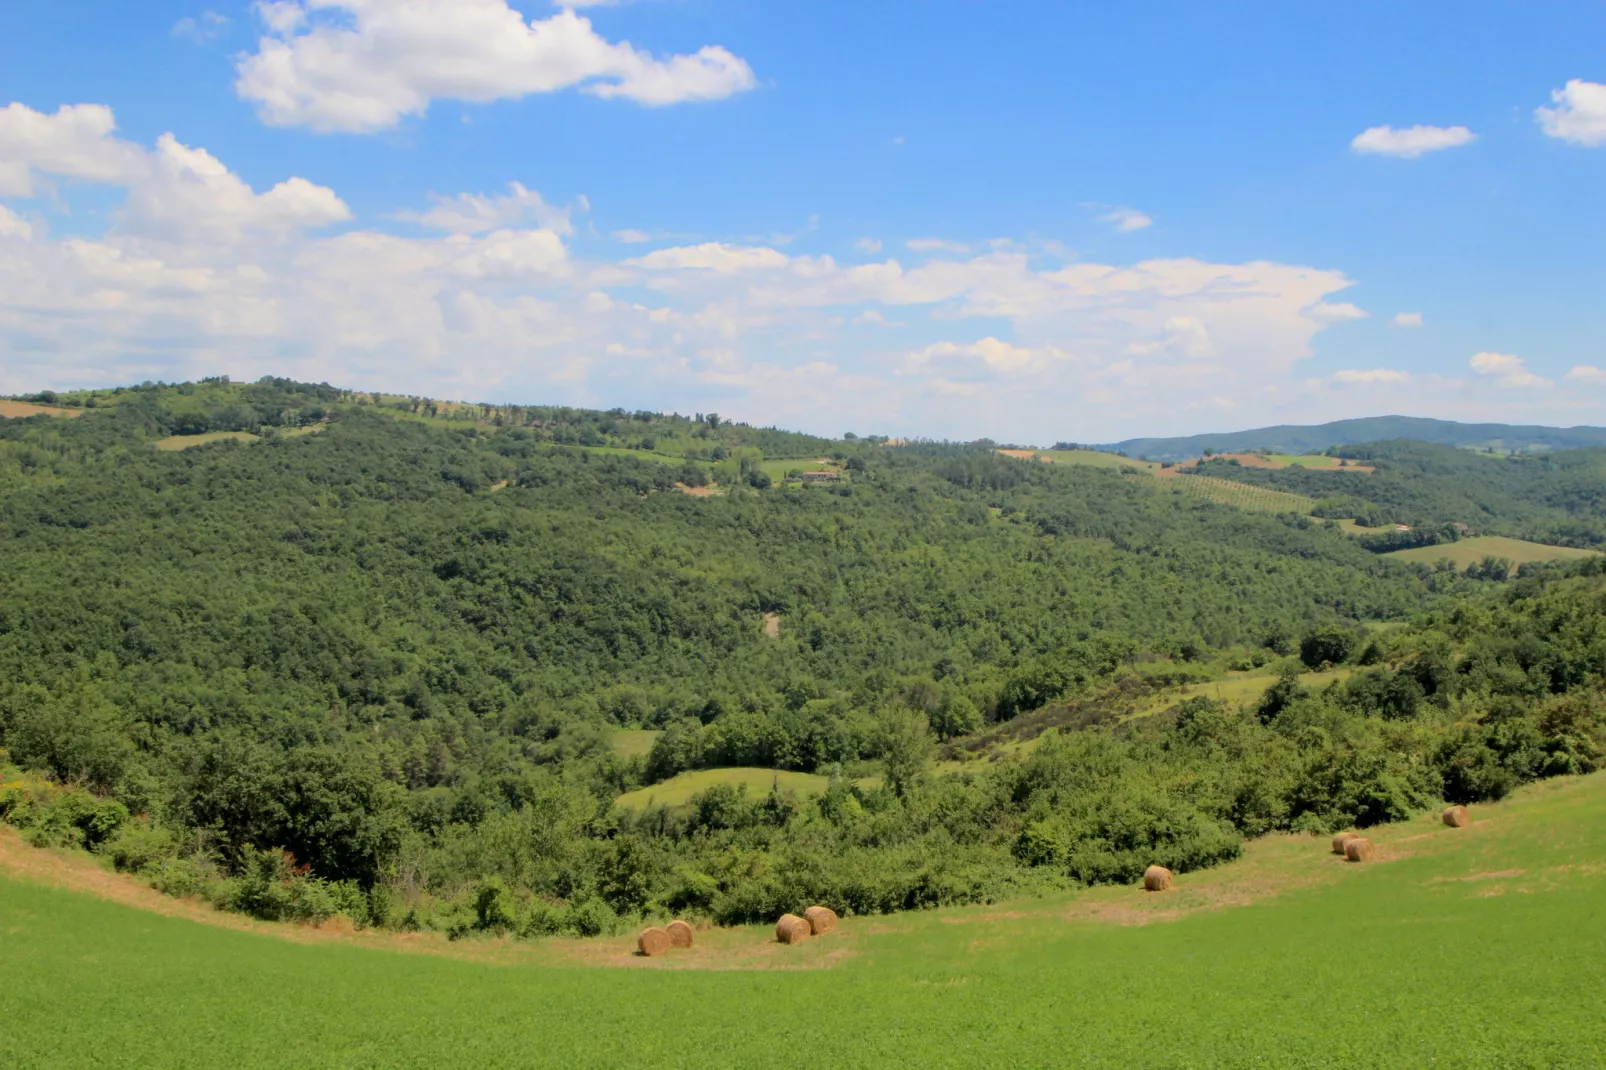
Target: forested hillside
1555,498
373,659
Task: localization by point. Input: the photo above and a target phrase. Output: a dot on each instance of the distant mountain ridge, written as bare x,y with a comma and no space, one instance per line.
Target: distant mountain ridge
1295,438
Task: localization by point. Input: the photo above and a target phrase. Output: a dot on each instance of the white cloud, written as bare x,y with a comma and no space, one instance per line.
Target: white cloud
1580,373
1507,368
470,213
173,190
1337,312
711,256
197,273
358,66
989,354
1407,319
868,245
201,29
1369,375
1126,220
1410,142
13,225
74,142
632,237
1579,115
935,245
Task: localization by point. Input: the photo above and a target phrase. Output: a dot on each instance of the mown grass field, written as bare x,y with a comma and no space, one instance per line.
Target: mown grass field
1238,689
1226,492
1481,947
1468,552
184,442
1092,458
633,742
678,790
24,409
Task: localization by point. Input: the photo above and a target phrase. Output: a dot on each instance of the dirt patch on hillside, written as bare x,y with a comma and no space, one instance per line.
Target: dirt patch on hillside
697,492
772,625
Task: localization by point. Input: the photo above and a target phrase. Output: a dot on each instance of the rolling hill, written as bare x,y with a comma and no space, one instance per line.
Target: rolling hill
1293,438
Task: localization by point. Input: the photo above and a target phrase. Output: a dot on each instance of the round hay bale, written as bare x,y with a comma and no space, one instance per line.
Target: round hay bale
1360,849
821,919
1341,839
680,933
652,942
1457,817
1157,879
792,929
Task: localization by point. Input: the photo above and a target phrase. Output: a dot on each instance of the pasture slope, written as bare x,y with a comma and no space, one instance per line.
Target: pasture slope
1468,552
1480,947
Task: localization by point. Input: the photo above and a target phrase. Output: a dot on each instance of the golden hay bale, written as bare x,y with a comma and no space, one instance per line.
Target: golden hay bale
680,933
652,942
792,929
821,919
1360,849
1157,879
1457,817
1341,839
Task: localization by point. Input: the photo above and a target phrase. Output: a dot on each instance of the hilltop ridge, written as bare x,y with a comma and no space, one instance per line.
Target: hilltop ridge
1302,438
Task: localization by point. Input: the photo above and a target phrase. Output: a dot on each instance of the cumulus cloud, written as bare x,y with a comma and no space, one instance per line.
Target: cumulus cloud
1336,312
1407,319
1369,375
199,273
1506,368
868,245
1578,373
712,256
1410,142
1126,220
74,142
1579,114
357,66
173,190
469,213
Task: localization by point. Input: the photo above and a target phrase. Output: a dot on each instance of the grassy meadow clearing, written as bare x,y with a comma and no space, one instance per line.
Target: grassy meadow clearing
1478,947
679,790
1468,552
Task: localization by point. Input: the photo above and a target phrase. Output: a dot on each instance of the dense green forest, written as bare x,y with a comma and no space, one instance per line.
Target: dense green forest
373,661
1557,498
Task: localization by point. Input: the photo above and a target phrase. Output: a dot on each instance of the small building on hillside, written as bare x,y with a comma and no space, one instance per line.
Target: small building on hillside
819,477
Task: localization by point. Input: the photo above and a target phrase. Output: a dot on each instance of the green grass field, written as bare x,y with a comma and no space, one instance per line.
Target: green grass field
631,742
1469,552
678,790
184,442
1238,689
1480,947
1091,458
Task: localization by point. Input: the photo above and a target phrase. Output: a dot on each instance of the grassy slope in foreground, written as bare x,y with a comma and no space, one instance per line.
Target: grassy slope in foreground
1470,948
1469,552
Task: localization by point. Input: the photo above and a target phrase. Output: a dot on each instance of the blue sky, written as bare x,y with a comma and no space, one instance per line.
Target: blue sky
1021,220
